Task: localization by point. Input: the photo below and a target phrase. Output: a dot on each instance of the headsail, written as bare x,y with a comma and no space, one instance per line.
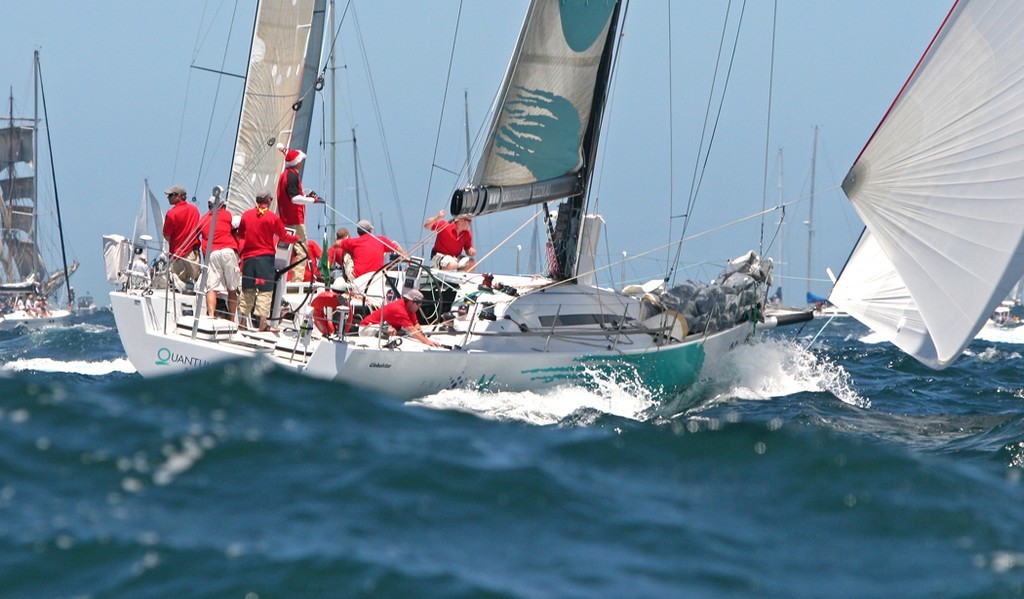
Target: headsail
536,150
274,92
149,209
939,186
547,117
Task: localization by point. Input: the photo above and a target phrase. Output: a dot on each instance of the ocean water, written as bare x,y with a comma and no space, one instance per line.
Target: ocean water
840,470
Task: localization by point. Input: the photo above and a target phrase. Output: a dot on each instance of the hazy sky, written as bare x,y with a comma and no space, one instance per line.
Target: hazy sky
125,105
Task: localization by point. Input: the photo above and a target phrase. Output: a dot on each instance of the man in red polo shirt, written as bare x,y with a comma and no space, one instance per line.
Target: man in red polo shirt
453,238
259,231
398,316
180,232
368,250
223,273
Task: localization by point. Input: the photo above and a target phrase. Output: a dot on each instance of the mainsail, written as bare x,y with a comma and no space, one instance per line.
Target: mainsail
547,113
939,186
276,91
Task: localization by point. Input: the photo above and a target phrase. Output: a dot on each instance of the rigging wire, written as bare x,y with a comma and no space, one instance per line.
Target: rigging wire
671,136
768,121
699,165
444,103
188,87
213,106
53,174
380,124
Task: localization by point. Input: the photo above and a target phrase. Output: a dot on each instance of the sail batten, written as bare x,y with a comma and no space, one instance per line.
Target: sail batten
939,187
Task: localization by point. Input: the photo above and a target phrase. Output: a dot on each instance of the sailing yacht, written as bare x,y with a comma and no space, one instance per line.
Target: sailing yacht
938,186
495,332
29,290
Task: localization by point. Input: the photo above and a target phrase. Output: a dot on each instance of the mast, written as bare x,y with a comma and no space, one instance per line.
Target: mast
5,207
810,217
36,259
312,81
782,224
567,252
56,195
334,137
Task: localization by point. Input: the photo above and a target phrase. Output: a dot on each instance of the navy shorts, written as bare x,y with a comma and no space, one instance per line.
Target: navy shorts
258,273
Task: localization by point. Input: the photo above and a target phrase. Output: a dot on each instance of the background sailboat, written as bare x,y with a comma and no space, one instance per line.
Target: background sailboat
33,294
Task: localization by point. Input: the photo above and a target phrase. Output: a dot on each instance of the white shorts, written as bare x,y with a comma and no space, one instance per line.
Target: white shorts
224,272
446,262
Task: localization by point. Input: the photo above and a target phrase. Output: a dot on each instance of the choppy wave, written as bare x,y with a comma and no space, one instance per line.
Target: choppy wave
248,480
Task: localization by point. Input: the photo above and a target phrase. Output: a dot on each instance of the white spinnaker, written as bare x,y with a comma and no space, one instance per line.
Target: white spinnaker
940,185
272,86
870,288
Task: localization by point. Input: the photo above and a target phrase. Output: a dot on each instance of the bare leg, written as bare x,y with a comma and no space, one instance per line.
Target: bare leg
232,304
211,303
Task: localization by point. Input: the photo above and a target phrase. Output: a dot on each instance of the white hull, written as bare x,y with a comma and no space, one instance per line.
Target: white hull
156,331
21,319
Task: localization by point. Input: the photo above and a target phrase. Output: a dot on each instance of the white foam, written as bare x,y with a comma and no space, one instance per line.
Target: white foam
540,408
776,368
99,368
760,371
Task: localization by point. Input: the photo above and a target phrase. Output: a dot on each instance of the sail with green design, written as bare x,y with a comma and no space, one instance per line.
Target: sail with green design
543,137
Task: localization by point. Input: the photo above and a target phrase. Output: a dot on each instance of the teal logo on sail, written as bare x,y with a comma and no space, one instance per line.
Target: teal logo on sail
583,21
541,132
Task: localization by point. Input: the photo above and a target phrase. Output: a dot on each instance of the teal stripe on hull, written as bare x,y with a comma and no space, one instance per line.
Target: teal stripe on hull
662,370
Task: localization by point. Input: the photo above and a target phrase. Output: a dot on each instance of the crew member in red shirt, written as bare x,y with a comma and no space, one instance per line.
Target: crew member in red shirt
398,316
313,269
180,232
325,303
453,238
259,231
223,273
337,259
291,205
368,250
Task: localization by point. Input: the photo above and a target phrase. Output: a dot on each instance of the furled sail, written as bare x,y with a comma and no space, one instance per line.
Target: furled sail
551,97
939,187
273,89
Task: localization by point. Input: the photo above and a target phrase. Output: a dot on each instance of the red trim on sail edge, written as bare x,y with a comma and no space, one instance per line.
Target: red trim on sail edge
907,82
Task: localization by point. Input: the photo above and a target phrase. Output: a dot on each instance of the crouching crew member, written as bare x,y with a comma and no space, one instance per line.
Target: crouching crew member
398,316
323,306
